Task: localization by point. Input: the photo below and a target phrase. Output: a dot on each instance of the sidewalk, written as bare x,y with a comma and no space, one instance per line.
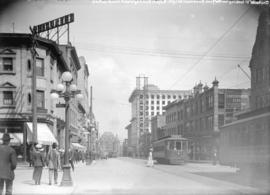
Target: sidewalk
24,185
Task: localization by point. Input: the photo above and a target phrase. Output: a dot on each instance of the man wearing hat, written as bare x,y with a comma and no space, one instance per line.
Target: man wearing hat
8,163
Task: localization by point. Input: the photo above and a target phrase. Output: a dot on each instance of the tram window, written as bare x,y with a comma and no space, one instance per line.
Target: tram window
178,145
184,145
171,145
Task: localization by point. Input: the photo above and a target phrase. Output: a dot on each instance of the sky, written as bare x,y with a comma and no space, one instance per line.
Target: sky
174,43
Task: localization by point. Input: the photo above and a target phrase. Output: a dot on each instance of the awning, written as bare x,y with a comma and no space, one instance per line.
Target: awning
78,146
44,134
17,139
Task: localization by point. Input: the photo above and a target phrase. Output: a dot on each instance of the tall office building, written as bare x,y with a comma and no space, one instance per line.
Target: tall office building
147,100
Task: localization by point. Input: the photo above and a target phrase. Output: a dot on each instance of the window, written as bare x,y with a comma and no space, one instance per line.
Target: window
29,98
152,96
178,146
221,100
29,65
51,73
40,99
157,96
168,96
174,96
157,102
163,102
152,102
141,96
8,98
163,96
7,64
40,67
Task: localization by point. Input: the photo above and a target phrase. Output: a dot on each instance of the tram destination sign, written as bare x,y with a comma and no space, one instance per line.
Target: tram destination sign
54,23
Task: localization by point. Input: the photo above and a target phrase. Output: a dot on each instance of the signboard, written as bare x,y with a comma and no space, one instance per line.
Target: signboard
54,23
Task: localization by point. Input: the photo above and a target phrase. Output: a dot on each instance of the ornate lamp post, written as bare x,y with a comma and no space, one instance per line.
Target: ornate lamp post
66,91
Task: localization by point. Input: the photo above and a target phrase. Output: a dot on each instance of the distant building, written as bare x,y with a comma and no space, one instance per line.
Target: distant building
157,127
146,102
83,105
125,147
201,115
109,145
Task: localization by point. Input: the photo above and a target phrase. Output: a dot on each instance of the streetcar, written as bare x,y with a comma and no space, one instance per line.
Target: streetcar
171,150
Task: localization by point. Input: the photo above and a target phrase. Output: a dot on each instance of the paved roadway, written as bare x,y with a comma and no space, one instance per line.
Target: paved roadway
131,176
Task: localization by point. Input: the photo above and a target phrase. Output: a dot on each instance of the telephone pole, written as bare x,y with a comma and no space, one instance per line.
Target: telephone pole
34,85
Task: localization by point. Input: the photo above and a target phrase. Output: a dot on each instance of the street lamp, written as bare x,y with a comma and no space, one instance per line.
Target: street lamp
66,91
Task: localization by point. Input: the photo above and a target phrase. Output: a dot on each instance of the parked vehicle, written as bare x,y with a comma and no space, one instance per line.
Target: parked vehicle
171,149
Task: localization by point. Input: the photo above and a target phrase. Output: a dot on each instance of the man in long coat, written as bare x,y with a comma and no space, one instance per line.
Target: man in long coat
53,160
8,162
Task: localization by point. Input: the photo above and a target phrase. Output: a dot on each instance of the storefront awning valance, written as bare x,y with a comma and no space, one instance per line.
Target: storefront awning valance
44,134
78,146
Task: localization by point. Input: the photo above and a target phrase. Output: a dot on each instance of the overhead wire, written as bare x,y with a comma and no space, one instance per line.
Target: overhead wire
159,53
212,47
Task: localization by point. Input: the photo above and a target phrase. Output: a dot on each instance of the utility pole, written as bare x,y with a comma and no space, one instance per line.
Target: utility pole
34,85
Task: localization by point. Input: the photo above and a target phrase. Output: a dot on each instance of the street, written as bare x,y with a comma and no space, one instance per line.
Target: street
131,176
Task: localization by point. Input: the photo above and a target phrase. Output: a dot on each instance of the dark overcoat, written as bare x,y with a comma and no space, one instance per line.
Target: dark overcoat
8,162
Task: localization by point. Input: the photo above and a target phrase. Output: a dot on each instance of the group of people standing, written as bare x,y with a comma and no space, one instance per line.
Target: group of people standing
40,159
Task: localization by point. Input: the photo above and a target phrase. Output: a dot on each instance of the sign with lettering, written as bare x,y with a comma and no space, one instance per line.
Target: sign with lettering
54,23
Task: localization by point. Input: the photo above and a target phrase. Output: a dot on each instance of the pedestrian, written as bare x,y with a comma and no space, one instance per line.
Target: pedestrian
71,158
53,163
8,163
62,155
38,162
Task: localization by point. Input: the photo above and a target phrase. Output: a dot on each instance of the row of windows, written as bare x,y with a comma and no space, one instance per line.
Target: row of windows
152,113
9,98
153,102
204,123
162,96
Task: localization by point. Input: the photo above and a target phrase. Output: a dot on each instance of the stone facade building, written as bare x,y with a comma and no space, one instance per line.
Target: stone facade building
199,117
16,67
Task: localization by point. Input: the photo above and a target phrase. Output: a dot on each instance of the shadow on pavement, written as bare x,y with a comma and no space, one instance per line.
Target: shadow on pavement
256,182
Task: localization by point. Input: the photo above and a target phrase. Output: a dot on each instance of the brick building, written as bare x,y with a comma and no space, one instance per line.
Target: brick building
201,115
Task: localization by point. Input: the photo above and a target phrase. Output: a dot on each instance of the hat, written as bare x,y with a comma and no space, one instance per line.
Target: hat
38,146
6,137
